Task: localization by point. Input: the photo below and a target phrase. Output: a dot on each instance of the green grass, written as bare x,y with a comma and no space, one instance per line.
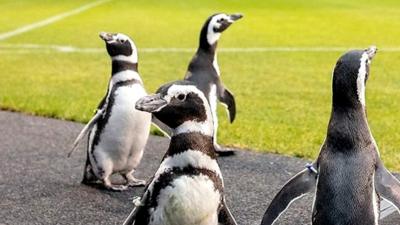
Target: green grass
283,98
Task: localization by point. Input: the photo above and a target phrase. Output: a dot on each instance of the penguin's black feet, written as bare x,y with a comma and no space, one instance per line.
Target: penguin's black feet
224,151
131,181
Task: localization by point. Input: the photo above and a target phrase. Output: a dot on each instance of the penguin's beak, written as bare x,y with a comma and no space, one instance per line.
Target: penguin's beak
236,16
371,52
151,103
107,37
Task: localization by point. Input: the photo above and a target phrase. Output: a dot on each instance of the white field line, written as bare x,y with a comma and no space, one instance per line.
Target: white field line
50,20
30,48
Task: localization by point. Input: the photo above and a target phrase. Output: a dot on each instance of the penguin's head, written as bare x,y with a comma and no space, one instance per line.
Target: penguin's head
216,24
181,106
350,77
120,46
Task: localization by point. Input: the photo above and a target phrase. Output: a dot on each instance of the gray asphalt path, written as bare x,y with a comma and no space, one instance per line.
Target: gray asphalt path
40,185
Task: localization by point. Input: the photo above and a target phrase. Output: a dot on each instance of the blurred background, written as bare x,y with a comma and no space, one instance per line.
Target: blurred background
277,60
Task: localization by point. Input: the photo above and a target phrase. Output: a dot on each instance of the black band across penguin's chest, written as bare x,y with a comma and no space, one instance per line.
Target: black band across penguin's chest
120,65
126,83
191,141
166,179
108,111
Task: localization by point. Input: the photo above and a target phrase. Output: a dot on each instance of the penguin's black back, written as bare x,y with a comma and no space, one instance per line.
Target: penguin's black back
344,190
346,164
346,171
202,72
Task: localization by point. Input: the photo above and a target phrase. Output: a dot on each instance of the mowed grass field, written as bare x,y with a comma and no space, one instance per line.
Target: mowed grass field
283,96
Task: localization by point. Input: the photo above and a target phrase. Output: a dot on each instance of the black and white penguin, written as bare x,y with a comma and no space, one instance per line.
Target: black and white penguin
204,71
348,178
188,186
118,132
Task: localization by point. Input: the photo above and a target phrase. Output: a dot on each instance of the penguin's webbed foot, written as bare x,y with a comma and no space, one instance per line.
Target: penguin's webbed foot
115,187
137,183
131,181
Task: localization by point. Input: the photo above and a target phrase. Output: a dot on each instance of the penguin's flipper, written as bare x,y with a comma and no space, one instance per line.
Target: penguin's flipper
137,215
225,216
132,216
139,208
301,184
166,130
388,188
386,209
85,130
227,98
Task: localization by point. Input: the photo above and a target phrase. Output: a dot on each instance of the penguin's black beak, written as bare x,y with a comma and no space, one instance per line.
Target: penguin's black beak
106,36
151,103
236,16
371,52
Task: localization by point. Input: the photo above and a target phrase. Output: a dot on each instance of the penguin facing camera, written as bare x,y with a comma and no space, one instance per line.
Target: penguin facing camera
188,185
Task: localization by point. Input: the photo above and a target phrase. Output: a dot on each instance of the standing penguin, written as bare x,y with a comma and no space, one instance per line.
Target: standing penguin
348,177
188,186
204,71
118,132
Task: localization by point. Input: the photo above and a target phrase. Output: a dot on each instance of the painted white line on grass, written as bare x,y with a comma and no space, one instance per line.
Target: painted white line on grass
47,48
50,20
27,48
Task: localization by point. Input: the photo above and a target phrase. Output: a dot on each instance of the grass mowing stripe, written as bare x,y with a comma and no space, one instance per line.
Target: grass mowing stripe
50,20
9,48
283,98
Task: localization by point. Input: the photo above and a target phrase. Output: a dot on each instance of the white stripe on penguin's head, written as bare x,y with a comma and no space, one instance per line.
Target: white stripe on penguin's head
175,90
181,106
213,25
365,61
204,127
120,47
218,23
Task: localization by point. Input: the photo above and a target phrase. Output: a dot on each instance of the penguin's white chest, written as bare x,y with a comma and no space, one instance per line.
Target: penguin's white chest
213,99
215,65
127,129
188,200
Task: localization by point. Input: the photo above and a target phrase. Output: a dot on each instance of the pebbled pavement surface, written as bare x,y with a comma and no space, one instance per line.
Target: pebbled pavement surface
40,185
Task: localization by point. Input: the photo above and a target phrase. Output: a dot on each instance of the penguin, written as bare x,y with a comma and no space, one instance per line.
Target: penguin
118,132
348,177
204,71
188,186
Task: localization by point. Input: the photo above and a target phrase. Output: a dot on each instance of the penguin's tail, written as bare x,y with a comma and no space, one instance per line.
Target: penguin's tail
88,175
85,130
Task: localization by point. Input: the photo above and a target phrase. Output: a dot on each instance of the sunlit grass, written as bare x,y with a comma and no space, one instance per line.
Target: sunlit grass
283,98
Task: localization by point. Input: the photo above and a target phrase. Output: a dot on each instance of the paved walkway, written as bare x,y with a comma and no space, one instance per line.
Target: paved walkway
40,185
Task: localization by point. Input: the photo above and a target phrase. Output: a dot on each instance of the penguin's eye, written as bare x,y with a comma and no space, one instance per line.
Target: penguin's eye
220,20
122,40
181,97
